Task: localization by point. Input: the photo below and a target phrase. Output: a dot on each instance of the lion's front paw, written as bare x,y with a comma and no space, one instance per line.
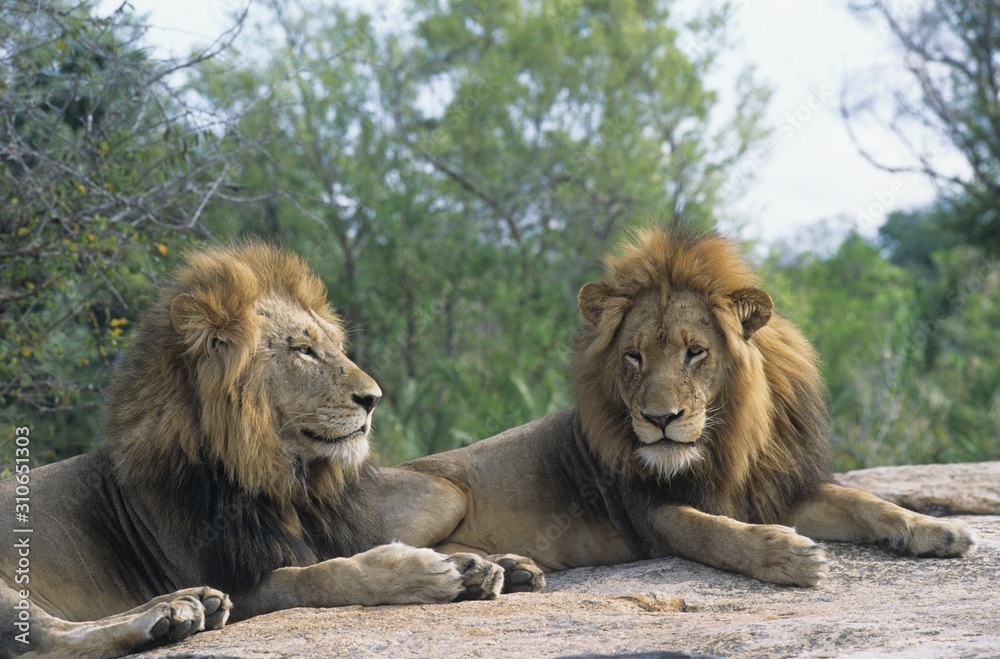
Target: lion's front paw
787,558
217,607
481,579
183,617
177,615
401,574
940,538
173,621
521,575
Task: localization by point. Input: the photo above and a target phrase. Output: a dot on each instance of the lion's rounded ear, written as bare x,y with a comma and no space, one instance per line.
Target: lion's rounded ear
195,322
593,299
753,307
184,313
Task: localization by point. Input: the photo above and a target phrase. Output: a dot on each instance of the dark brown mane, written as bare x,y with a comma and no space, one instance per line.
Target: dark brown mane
768,446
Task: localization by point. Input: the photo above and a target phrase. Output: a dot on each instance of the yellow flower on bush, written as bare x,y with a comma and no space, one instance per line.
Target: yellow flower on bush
162,249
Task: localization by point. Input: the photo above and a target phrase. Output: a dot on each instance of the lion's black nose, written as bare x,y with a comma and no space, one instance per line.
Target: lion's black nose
367,401
664,420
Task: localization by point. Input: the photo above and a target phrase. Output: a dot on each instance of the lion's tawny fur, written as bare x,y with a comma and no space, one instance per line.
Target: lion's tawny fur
768,437
699,431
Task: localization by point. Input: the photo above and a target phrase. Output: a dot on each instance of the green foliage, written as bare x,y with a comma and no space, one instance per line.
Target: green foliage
456,176
872,321
946,395
95,172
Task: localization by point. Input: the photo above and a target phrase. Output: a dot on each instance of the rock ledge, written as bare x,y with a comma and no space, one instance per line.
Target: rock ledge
873,604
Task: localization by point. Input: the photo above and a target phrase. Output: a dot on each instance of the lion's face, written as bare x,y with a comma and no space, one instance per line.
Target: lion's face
668,376
322,402
661,349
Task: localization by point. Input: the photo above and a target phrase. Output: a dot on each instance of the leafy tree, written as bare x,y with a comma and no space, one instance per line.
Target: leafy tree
951,48
455,176
856,308
947,105
866,313
101,172
914,241
955,356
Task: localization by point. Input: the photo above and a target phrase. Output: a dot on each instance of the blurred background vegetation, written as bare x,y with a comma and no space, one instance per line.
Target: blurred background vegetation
454,179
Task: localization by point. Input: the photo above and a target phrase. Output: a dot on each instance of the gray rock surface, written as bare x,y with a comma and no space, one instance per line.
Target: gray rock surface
961,489
873,604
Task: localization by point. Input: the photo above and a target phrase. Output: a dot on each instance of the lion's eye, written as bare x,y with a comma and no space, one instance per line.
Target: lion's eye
694,353
634,358
306,351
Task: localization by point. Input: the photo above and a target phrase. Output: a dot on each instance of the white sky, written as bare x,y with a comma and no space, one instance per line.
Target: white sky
803,50
806,51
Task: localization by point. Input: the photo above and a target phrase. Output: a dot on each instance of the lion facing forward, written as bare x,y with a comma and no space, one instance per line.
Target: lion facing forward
235,462
699,431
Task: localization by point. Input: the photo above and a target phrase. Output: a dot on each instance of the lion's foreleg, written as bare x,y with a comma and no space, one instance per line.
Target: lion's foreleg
388,574
165,619
767,552
215,606
420,509
849,515
425,510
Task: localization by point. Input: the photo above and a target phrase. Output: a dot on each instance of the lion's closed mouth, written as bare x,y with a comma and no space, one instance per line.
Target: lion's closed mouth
331,440
666,441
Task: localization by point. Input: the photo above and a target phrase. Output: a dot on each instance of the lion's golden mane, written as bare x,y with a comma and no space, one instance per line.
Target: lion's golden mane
767,439
191,435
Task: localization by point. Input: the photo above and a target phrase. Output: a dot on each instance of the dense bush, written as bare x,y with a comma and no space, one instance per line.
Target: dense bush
454,177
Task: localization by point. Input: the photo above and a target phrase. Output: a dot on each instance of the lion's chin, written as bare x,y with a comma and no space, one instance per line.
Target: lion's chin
360,432
666,459
349,450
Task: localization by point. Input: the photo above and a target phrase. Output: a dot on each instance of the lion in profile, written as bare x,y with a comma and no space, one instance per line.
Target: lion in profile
234,466
699,431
